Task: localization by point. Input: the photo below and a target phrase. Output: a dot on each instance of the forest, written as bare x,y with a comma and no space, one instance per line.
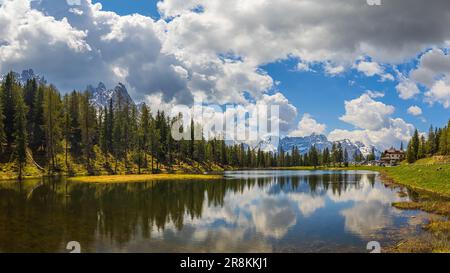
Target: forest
58,133
437,142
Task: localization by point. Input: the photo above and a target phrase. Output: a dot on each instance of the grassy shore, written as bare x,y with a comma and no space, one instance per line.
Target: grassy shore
142,178
423,178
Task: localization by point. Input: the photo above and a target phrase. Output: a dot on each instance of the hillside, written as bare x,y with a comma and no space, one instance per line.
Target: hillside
101,165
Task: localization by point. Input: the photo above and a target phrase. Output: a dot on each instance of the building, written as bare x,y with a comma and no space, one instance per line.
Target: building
392,157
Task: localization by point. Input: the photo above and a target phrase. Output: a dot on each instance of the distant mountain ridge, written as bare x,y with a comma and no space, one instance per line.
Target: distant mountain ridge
26,75
321,142
101,95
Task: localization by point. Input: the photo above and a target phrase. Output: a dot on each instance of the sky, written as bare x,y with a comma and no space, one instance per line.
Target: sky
346,70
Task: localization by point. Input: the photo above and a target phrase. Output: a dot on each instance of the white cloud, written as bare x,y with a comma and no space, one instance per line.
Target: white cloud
433,65
375,94
439,92
334,69
376,126
366,113
415,110
407,89
308,126
305,67
395,132
313,30
433,72
371,69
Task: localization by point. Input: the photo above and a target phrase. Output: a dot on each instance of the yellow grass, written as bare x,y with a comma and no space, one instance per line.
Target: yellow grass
142,178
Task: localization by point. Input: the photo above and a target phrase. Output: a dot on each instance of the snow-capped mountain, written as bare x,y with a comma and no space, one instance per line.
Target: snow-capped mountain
26,75
321,142
304,144
269,144
101,95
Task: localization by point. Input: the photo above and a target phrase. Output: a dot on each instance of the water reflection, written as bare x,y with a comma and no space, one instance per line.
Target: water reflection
259,211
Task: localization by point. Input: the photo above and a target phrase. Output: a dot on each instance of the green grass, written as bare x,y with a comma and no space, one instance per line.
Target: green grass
429,178
437,207
141,178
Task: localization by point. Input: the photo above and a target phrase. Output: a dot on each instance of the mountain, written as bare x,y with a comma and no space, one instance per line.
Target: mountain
101,95
321,142
26,75
305,143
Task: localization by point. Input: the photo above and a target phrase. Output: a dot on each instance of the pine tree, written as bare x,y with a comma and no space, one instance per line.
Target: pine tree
430,145
314,156
422,148
10,89
2,124
66,125
20,132
345,159
75,129
443,141
38,141
52,124
410,156
30,90
192,140
144,134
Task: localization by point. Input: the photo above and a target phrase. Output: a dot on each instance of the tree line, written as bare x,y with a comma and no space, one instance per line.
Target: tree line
39,124
437,142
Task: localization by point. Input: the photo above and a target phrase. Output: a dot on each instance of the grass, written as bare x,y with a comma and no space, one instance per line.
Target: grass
141,178
437,207
427,178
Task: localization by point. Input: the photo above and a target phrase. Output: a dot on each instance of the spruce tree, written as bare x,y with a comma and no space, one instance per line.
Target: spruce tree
20,132
10,89
2,124
52,125
38,141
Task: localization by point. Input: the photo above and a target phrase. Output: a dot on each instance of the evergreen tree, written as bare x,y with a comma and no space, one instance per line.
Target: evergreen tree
52,125
10,89
2,124
345,158
38,141
326,157
20,132
314,156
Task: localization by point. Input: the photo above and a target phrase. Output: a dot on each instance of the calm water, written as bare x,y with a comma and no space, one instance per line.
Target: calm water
254,211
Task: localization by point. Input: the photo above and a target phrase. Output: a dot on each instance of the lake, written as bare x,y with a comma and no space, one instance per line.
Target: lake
247,211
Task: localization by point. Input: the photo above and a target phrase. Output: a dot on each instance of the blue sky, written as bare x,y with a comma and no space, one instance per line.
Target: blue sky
144,7
366,73
316,93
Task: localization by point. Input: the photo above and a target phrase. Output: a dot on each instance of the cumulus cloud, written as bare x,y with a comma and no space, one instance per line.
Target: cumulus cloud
104,46
433,65
371,69
439,92
311,30
407,88
376,126
415,110
334,69
395,132
433,72
366,113
308,126
88,46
